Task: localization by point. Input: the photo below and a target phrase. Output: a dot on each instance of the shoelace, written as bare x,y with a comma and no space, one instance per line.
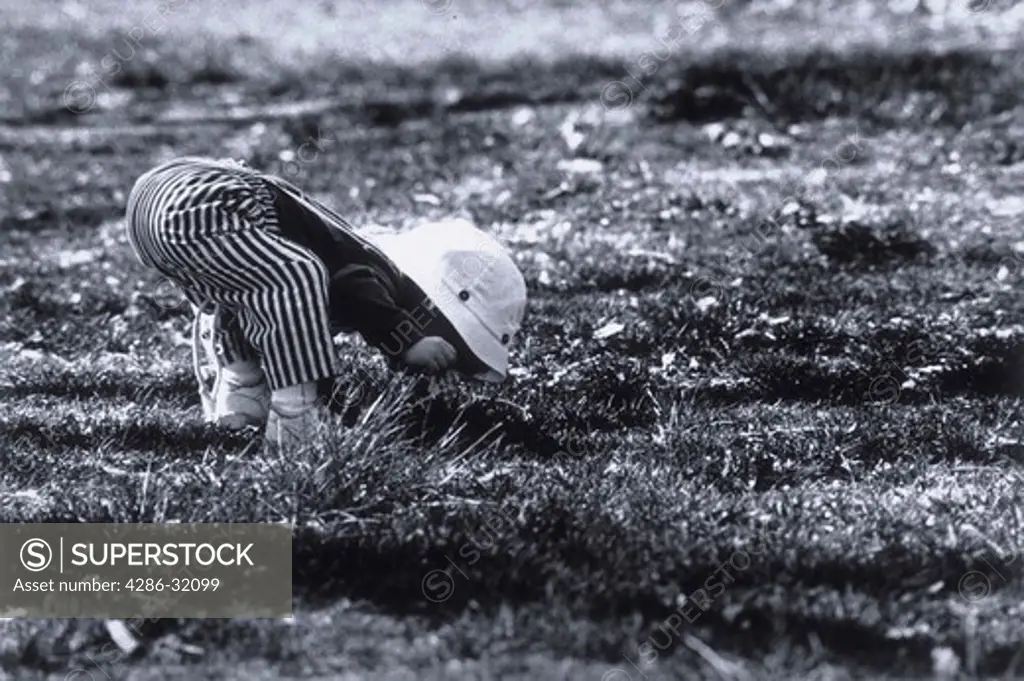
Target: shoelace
205,393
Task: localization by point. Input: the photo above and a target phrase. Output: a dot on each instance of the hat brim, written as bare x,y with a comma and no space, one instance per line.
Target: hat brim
477,338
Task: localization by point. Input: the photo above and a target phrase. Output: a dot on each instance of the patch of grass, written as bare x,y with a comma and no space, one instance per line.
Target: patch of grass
878,87
838,397
858,244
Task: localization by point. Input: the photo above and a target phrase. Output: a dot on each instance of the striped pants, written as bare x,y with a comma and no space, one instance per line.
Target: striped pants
210,226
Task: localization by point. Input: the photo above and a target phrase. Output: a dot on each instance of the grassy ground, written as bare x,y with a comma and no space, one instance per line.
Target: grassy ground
772,361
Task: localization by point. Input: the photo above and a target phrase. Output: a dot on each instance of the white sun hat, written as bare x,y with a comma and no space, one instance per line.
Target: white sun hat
470,278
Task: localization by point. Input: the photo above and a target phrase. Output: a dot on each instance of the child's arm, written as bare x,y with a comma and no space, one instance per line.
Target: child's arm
362,299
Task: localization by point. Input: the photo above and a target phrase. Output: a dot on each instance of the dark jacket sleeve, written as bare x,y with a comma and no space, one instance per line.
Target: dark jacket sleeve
366,300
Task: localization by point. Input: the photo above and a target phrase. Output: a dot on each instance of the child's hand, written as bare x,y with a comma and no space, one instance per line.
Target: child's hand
432,354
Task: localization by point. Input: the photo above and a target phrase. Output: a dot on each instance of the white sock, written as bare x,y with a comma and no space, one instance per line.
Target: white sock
294,399
243,374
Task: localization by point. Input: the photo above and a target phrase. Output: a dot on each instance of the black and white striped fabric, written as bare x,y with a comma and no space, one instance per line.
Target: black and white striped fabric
210,225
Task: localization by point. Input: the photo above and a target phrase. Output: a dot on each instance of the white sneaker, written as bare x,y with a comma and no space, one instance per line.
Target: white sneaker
238,406
290,431
297,416
240,395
